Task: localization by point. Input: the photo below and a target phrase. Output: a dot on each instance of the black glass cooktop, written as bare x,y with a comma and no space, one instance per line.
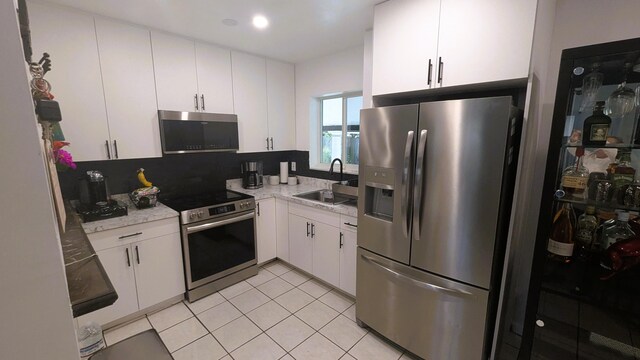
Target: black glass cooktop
195,201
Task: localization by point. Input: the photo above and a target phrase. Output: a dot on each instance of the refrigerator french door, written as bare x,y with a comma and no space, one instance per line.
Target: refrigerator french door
436,180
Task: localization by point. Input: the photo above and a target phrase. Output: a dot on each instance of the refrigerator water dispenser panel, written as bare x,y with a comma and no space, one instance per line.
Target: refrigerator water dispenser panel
379,191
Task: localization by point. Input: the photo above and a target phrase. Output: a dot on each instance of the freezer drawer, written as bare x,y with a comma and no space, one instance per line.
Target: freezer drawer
433,317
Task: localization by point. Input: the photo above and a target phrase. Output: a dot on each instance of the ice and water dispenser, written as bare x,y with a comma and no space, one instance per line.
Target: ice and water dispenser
379,192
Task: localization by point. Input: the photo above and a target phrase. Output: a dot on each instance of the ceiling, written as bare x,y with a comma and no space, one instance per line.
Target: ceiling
299,29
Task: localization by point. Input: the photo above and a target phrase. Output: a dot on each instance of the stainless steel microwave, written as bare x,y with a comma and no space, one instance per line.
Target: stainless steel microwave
191,132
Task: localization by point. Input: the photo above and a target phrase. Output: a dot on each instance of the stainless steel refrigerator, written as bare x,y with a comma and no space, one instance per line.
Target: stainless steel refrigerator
436,184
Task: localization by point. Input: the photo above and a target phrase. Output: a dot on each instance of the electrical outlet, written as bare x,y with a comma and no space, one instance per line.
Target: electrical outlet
293,166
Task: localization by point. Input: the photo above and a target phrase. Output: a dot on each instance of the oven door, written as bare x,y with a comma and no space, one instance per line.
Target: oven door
218,247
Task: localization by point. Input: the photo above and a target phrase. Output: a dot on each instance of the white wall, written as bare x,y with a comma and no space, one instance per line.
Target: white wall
337,73
34,305
367,71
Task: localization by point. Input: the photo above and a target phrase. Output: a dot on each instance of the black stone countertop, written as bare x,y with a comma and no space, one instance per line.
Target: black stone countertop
89,286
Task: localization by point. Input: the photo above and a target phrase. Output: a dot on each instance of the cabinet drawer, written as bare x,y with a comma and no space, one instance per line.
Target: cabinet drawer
348,223
128,234
312,213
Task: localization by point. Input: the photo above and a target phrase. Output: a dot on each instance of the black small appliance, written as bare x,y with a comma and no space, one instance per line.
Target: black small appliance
251,174
95,202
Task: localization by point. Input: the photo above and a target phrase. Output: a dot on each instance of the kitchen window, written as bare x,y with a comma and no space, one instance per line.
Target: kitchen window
340,129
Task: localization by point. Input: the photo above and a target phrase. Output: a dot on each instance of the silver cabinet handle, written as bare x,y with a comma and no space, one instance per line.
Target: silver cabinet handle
308,229
313,230
258,208
115,148
106,143
422,284
440,70
406,183
128,260
137,255
195,99
350,224
267,143
429,74
341,238
130,235
417,190
271,143
202,98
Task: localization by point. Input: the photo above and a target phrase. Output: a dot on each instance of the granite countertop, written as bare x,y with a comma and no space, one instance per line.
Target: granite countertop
135,216
89,286
286,192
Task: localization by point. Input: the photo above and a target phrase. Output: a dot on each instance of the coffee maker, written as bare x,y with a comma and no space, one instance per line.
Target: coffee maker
95,200
251,174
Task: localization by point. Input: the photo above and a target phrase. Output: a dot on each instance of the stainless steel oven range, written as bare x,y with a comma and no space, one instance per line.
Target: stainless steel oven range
218,240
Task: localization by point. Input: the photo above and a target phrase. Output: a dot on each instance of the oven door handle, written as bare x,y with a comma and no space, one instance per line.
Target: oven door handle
211,225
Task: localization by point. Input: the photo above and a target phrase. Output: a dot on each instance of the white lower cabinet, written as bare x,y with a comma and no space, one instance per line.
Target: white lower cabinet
348,248
144,264
326,253
266,229
282,229
300,246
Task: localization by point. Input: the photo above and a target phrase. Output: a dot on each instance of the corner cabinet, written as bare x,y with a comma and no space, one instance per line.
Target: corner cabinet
144,264
266,229
98,67
437,51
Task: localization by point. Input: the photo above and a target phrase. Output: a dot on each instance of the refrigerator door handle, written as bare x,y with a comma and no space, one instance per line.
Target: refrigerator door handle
425,285
405,183
417,190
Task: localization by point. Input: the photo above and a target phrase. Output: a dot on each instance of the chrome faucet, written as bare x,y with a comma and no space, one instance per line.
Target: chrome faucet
331,168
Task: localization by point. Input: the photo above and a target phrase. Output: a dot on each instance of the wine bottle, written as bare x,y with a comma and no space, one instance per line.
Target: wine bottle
560,245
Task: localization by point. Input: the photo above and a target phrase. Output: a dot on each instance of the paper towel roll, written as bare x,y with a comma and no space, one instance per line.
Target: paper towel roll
284,172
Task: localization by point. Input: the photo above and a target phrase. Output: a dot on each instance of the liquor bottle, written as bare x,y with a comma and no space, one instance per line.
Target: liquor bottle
585,231
621,174
596,127
619,231
560,245
575,177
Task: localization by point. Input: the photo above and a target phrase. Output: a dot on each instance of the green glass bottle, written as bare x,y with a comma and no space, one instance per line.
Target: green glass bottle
596,127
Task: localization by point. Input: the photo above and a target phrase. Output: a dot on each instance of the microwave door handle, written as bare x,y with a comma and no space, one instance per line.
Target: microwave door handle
417,189
211,225
406,183
202,98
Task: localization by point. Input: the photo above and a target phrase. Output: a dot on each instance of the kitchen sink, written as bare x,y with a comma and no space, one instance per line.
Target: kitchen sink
324,196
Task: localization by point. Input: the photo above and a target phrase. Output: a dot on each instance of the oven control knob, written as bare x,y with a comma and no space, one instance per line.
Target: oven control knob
200,213
241,205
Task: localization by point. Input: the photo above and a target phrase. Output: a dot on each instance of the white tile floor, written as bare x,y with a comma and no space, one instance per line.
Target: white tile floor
278,314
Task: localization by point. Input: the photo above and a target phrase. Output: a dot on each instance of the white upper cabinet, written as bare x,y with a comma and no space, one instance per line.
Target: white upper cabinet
405,39
174,59
215,87
250,99
281,105
465,41
70,39
488,40
129,89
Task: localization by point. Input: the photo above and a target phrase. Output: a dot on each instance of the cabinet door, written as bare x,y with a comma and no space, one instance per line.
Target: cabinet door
405,38
250,99
214,79
118,263
174,60
129,89
494,43
282,229
281,104
70,38
266,229
326,253
348,261
158,268
300,246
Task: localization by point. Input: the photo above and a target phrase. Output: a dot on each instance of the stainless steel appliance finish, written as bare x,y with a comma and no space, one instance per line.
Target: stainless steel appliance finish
192,132
252,174
218,240
428,315
431,206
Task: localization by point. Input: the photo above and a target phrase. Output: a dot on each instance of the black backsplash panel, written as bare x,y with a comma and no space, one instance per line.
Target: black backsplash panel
187,173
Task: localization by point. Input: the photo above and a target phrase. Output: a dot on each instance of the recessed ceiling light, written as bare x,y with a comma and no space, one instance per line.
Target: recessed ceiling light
260,22
230,22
